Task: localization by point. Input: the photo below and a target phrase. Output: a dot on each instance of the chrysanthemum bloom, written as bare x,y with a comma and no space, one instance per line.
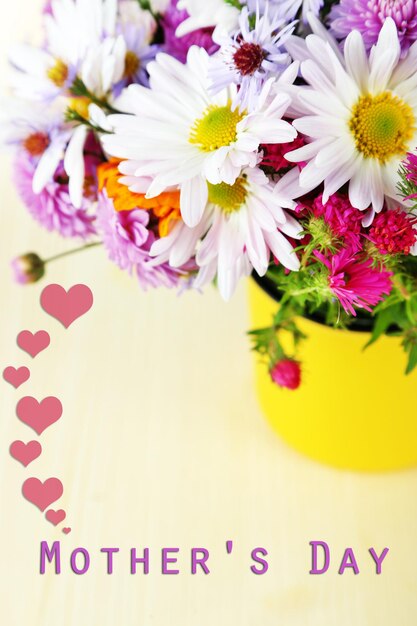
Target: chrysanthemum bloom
28,268
251,56
368,17
393,232
178,134
127,237
178,46
344,220
354,282
286,373
242,225
52,207
359,114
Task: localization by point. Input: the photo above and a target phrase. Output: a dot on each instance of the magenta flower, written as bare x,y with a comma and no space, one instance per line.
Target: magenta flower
179,46
393,232
344,220
368,16
354,282
52,207
127,237
286,373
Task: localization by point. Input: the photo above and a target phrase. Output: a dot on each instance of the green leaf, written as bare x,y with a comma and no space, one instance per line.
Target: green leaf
384,319
412,359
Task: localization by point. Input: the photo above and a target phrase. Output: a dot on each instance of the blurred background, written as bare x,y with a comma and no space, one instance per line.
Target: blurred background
162,444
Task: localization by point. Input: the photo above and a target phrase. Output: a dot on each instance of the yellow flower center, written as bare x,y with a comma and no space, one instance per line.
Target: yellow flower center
132,64
228,197
382,126
80,105
58,73
217,128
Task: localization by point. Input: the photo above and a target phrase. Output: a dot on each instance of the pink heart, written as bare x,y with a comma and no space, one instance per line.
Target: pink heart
25,453
16,377
66,306
66,531
33,343
42,494
39,415
55,517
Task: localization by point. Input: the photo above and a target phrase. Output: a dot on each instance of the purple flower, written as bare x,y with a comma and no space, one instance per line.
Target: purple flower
52,206
28,268
128,238
368,16
179,46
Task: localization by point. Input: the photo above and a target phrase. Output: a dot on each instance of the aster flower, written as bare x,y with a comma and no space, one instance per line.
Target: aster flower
393,232
359,115
289,9
356,283
180,135
178,46
127,237
251,56
241,226
39,131
345,222
52,206
368,17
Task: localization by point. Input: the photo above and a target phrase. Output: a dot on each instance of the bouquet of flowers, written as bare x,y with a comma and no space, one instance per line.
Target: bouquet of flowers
203,141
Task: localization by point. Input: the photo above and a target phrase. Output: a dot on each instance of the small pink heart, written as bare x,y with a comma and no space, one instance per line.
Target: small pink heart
33,343
66,306
43,494
25,453
66,531
55,517
39,415
16,377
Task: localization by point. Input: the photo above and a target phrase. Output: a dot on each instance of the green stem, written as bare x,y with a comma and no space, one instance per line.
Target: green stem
73,251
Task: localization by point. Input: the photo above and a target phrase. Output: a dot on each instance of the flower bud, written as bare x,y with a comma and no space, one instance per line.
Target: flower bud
286,373
28,268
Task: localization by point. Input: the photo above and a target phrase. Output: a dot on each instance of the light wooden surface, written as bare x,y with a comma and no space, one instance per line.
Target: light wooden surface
162,444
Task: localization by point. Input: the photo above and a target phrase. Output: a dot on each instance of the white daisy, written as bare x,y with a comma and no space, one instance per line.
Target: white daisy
203,14
180,135
359,115
241,226
73,29
251,56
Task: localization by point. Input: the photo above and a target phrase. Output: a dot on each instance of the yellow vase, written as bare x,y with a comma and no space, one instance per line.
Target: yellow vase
355,409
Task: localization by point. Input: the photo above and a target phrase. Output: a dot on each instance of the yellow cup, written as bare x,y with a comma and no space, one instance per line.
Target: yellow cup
355,409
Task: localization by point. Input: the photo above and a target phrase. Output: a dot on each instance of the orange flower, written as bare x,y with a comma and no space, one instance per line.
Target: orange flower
165,207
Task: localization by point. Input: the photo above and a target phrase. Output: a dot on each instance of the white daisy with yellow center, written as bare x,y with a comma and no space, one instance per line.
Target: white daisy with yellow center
179,134
243,224
359,115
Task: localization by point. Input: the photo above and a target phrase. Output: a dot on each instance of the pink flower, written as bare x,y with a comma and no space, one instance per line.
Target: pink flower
179,46
274,153
355,282
128,237
393,232
52,207
344,220
368,17
286,373
28,268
